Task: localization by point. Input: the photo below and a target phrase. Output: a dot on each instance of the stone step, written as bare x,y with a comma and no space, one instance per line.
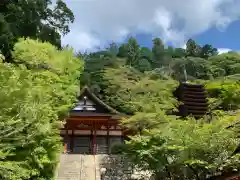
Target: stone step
70,166
78,167
89,168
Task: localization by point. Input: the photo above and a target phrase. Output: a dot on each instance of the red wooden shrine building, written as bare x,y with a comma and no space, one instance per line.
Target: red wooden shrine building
92,127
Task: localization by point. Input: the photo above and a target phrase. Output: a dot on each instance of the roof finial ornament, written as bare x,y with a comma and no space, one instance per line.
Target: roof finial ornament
85,100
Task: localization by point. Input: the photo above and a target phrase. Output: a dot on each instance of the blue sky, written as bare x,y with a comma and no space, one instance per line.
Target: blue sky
97,23
226,39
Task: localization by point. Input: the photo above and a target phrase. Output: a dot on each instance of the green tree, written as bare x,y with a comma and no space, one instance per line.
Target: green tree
163,73
143,65
127,90
179,53
225,64
224,93
207,51
195,67
123,51
36,19
113,49
6,37
192,48
158,53
144,61
133,50
146,53
175,149
95,64
36,97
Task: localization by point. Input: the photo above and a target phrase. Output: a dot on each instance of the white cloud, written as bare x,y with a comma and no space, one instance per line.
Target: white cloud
220,50
100,21
81,40
223,50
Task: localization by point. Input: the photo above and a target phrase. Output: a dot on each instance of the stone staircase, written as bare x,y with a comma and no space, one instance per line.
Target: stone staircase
78,167
97,167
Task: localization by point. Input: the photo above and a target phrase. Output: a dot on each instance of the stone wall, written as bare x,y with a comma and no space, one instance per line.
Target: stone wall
114,167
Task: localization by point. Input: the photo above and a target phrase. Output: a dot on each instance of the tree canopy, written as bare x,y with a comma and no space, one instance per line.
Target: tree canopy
36,19
34,101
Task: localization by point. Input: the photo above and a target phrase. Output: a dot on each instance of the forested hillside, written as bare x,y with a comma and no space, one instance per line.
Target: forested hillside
122,74
140,81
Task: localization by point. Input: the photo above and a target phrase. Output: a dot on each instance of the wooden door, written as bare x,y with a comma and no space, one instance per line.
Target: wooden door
101,145
81,144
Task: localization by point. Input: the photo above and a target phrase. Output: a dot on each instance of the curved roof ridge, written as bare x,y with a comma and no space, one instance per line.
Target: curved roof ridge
86,88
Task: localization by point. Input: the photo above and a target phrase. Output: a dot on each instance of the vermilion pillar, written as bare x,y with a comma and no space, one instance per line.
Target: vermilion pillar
65,139
108,139
94,138
71,141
